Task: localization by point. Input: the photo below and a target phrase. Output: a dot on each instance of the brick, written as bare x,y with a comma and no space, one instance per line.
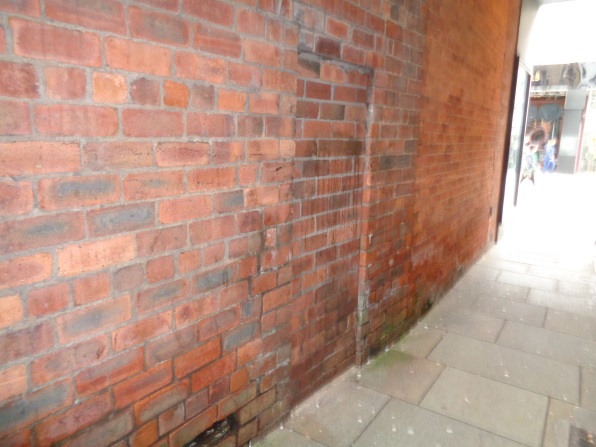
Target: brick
109,372
237,400
79,323
239,379
105,433
65,82
170,419
214,254
42,41
158,27
121,219
16,345
40,231
197,358
11,310
227,202
25,270
219,323
109,88
13,382
128,278
68,360
197,403
210,374
16,198
264,103
35,406
255,407
92,288
153,185
251,22
160,401
240,336
189,261
206,179
251,126
162,240
231,100
2,40
19,80
171,5
90,256
215,11
117,155
262,53
281,81
152,123
182,154
142,385
176,94
210,125
162,296
68,192
144,436
202,97
77,418
38,157
28,7
337,28
195,310
332,112
160,269
105,15
217,41
244,75
194,66
171,344
228,152
74,120
261,196
48,300
187,208
263,150
140,331
145,92
212,229
14,118
138,57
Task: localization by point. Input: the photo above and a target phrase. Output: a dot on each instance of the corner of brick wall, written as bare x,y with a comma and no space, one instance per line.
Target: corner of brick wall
209,208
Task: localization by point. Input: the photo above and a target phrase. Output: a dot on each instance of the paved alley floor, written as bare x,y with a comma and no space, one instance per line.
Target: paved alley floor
506,358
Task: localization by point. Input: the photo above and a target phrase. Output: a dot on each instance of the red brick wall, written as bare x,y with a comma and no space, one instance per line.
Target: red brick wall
211,207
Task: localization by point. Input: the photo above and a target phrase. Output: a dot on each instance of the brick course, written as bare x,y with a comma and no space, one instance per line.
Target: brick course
211,207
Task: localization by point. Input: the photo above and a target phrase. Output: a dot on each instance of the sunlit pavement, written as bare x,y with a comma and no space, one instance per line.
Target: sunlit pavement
506,358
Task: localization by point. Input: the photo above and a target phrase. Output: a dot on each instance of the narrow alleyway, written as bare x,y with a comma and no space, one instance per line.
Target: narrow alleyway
507,357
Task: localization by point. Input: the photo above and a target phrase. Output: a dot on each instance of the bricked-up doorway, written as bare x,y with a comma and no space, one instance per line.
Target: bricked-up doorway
331,128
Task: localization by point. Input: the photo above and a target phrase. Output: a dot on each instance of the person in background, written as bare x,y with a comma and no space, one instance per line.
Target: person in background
530,161
550,156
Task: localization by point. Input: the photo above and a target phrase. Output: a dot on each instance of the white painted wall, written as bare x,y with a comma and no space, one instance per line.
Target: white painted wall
562,33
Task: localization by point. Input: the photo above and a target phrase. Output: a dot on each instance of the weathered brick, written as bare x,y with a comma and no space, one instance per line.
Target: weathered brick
240,336
35,406
144,436
152,185
105,433
212,229
91,256
187,208
13,382
161,296
120,219
109,88
117,155
197,358
251,22
140,331
158,27
42,41
145,92
244,75
206,179
209,374
226,202
237,400
202,97
40,231
14,118
48,300
11,310
77,418
206,281
217,41
25,270
2,40
65,82
170,419
160,401
152,123
171,5
91,288
182,154
19,80
78,323
264,103
218,323
262,53
160,269
111,371
128,278
28,7
210,125
176,94
142,385
194,66
137,57
38,157
215,11
231,100
75,120
162,240
16,198
70,192
105,15
68,360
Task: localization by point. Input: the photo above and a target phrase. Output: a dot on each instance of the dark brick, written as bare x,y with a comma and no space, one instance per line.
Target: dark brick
121,219
240,336
215,278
